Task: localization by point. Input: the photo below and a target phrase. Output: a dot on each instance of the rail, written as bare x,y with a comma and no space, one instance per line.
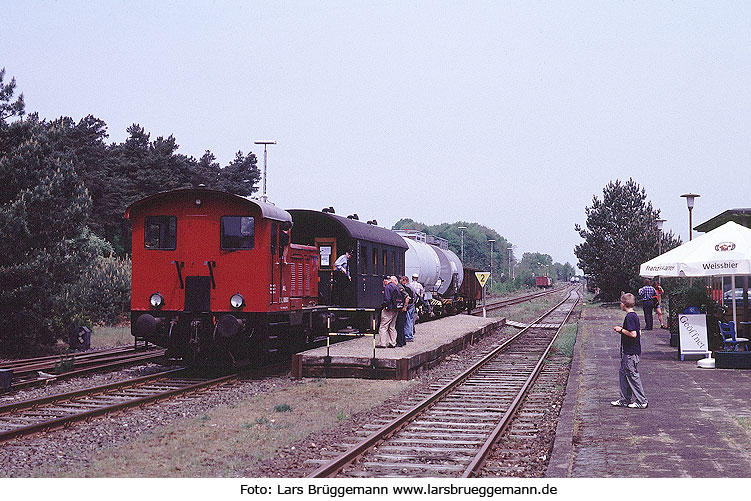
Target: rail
27,372
396,425
32,416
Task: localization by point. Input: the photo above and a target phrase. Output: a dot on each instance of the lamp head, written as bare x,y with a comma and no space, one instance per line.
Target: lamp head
690,197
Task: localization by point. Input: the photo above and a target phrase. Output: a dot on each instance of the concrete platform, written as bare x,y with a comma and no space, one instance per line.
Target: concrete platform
698,423
434,341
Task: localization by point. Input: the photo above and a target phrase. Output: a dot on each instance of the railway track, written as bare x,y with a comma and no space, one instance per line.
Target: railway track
48,413
452,431
516,300
43,370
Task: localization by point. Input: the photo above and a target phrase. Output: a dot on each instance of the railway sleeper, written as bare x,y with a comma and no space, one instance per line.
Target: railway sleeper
418,459
414,467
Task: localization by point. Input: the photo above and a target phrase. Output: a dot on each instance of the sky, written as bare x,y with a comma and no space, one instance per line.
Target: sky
509,114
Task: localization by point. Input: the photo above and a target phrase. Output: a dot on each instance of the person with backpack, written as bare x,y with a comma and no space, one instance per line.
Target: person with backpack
390,307
419,291
403,325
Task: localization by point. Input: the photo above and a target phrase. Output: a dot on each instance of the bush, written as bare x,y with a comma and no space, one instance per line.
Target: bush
102,294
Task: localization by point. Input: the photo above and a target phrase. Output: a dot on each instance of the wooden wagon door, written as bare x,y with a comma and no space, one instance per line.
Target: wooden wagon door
327,255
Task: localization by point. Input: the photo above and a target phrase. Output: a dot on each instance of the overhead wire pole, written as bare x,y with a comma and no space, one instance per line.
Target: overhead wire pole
265,158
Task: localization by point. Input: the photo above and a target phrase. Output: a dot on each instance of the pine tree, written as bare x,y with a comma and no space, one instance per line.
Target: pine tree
46,244
241,176
621,234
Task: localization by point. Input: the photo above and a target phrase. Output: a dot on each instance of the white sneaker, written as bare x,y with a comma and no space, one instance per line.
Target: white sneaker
619,403
637,405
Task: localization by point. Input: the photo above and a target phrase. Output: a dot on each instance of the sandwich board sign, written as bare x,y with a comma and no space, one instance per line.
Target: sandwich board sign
693,333
482,277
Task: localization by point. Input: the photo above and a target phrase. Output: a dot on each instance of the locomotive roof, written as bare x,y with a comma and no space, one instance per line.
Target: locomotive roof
354,228
268,211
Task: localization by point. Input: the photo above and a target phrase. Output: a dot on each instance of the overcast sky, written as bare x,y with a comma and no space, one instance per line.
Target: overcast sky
509,114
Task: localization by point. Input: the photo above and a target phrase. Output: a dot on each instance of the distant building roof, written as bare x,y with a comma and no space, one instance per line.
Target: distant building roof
740,216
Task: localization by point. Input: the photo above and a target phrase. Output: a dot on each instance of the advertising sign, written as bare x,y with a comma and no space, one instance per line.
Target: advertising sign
693,332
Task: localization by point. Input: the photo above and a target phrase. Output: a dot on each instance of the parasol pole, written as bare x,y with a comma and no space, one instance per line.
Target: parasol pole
732,293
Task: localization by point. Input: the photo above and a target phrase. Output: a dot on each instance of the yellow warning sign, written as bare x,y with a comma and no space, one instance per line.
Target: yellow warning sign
482,277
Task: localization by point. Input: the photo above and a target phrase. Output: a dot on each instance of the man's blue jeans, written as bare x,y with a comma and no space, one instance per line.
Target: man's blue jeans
409,326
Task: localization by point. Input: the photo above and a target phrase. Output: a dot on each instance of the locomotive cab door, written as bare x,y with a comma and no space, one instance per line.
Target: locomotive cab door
327,254
197,259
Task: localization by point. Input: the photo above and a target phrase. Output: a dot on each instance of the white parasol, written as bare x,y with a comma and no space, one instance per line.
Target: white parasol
724,251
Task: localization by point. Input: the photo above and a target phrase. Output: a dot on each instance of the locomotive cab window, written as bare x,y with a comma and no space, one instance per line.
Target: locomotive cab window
237,232
160,233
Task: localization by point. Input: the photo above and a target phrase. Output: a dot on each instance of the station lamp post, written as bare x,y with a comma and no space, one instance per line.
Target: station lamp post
690,197
659,222
463,228
265,156
491,261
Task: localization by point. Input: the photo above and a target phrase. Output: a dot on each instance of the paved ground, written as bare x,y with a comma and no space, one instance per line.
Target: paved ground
428,336
698,423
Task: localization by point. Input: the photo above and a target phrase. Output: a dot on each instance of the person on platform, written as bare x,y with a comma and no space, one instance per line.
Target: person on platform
392,298
632,392
419,291
342,279
402,321
658,304
647,295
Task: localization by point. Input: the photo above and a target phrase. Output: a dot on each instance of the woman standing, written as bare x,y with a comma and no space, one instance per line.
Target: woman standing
658,299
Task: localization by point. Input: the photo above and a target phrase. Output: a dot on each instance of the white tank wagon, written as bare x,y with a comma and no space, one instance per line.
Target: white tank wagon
439,270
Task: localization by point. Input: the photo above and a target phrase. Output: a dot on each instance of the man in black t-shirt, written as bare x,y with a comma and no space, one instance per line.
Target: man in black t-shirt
629,378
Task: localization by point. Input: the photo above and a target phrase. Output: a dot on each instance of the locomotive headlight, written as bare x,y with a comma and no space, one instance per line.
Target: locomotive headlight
237,300
156,300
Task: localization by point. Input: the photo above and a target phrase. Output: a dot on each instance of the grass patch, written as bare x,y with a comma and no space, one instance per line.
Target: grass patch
528,311
564,344
108,336
231,439
744,423
282,408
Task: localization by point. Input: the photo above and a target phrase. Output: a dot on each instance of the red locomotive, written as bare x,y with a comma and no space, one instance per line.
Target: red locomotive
214,276
222,279
543,282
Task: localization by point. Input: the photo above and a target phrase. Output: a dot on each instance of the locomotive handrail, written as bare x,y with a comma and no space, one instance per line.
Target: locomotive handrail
178,265
211,265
